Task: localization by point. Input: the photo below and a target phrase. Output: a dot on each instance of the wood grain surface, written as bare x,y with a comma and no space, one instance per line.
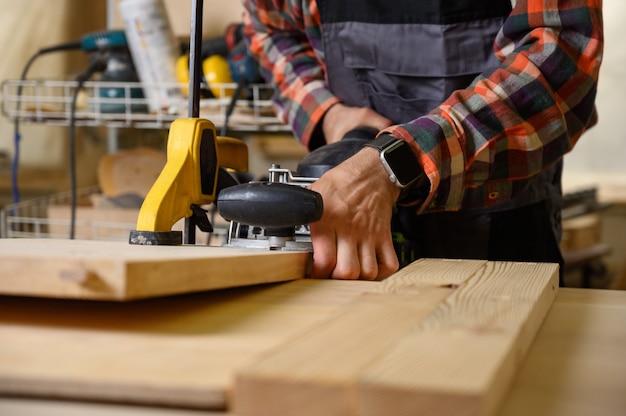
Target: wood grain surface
461,359
575,366
113,270
356,347
130,171
447,345
173,351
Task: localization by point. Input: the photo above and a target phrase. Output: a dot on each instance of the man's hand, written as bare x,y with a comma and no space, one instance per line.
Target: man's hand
340,119
352,240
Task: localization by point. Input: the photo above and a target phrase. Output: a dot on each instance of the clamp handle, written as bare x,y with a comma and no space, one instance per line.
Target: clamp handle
270,204
195,155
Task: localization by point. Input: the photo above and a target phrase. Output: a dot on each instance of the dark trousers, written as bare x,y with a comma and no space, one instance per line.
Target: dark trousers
528,234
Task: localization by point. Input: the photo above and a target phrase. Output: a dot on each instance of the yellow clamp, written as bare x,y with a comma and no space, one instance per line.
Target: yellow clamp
180,185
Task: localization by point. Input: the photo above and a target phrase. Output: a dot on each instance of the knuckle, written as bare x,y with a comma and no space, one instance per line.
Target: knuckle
346,273
386,270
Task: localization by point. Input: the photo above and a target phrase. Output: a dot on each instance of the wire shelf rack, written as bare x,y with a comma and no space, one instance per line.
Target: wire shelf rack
117,104
49,217
30,219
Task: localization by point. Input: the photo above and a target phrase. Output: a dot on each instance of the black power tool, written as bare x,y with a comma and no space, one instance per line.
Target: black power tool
275,214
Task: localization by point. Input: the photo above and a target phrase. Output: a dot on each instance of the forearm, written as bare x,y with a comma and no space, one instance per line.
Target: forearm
520,118
283,41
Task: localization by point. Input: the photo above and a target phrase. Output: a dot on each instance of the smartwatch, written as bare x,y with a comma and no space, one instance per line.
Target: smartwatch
399,160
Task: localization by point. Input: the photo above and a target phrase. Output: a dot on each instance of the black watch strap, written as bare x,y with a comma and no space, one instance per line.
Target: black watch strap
382,142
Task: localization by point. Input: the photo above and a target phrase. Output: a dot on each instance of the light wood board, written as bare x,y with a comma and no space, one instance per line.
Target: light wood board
113,270
442,338
188,350
173,351
130,171
575,366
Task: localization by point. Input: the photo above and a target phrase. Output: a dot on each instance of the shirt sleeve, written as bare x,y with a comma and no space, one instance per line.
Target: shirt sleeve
517,120
282,36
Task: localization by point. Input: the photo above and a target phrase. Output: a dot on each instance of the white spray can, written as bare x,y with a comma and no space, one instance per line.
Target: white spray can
154,49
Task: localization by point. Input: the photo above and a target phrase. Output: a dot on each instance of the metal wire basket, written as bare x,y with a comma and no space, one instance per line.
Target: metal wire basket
49,217
50,102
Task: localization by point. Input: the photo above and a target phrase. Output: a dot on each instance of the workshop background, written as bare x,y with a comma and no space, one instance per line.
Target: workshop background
597,162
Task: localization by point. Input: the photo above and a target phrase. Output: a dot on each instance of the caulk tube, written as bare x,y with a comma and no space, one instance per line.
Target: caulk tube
154,50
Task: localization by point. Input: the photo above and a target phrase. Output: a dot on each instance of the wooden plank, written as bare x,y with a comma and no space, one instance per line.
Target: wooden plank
186,350
573,368
172,351
576,366
462,358
130,171
119,271
91,223
315,374
387,355
581,232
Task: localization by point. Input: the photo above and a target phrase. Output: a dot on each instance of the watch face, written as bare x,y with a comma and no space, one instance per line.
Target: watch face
401,160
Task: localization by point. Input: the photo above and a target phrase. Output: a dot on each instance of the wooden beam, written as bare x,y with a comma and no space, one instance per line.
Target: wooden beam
462,358
172,351
441,337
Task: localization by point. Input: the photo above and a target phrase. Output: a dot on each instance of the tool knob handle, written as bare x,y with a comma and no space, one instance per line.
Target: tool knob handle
270,204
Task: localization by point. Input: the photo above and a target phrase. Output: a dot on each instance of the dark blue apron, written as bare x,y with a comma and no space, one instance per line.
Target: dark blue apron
403,58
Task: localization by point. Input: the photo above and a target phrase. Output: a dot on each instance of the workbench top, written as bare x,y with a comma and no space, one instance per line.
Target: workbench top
575,366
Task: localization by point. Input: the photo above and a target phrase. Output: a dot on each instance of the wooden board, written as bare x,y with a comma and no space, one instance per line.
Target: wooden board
91,223
120,271
188,350
173,351
130,171
574,367
581,232
443,338
462,358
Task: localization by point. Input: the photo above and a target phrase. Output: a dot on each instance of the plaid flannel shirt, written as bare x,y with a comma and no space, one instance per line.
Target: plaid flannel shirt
508,125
